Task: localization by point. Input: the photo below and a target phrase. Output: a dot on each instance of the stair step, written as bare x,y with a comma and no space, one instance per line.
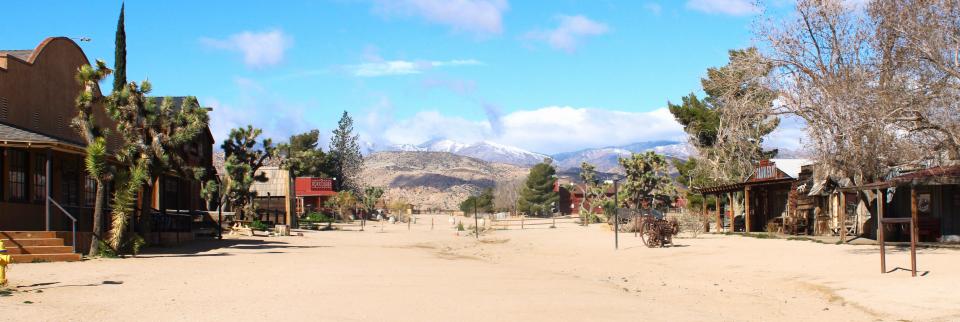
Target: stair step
41,258
37,250
27,234
32,242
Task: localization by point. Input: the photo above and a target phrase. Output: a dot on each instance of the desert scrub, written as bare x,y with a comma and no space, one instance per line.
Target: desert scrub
258,225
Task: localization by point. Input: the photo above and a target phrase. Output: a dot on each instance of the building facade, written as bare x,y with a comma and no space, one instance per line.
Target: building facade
41,154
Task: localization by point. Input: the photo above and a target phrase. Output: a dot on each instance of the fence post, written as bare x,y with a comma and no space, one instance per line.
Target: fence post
521,221
431,223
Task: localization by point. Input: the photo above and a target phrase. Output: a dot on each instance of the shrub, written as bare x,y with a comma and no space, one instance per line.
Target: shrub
318,217
460,226
258,225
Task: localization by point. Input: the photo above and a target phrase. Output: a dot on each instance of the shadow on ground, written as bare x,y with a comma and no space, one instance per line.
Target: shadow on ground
204,248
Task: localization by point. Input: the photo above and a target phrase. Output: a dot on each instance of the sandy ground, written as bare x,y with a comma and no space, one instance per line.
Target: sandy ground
566,274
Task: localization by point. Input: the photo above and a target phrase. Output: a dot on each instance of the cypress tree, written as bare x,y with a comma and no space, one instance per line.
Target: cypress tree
120,58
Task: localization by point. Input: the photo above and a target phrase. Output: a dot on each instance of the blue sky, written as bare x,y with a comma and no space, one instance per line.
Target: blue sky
548,76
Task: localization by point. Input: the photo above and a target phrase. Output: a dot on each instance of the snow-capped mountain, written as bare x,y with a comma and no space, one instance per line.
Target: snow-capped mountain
606,159
483,150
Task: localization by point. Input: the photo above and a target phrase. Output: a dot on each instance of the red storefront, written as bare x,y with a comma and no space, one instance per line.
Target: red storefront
312,193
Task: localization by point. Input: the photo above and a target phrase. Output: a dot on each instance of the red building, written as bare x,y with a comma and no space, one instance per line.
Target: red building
312,193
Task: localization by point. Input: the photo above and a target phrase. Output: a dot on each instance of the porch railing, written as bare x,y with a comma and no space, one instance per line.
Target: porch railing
73,221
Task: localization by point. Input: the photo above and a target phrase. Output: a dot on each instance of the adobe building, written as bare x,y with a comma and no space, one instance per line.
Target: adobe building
41,154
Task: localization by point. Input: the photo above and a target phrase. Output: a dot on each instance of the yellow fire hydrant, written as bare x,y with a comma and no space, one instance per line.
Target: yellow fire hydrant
4,259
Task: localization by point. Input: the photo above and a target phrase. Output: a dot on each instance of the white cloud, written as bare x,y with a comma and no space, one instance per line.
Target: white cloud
403,67
481,17
791,134
259,49
569,33
258,107
726,7
547,130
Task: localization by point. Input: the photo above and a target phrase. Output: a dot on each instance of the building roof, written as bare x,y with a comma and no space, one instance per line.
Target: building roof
21,54
948,175
791,166
13,135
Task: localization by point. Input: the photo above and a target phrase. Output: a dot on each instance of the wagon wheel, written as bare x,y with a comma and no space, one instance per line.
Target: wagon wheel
645,232
649,233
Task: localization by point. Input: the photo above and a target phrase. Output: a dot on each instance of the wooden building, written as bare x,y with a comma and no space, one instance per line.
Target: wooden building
766,196
42,155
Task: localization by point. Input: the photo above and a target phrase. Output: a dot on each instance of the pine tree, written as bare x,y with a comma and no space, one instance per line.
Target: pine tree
304,157
537,195
346,160
120,54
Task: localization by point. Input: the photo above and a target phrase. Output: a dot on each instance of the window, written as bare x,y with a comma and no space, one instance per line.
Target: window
17,175
89,191
70,178
39,177
171,193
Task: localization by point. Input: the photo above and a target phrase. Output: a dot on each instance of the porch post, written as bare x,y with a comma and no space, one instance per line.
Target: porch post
719,219
913,230
46,188
746,208
703,213
843,217
883,254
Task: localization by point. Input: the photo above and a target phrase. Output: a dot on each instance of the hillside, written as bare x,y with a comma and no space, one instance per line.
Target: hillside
434,179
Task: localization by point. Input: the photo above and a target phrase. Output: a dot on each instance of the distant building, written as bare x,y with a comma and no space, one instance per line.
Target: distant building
312,193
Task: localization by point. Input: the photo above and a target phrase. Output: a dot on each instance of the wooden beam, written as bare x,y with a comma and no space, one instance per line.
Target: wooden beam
843,217
880,226
719,220
746,208
913,231
703,213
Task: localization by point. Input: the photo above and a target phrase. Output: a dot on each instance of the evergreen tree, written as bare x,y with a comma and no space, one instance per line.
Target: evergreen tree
244,157
481,204
647,179
537,195
346,160
304,157
120,54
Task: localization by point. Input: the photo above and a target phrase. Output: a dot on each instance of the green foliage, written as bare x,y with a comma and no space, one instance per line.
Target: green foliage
482,203
371,195
89,79
259,225
120,54
729,124
699,119
537,195
244,156
460,226
345,158
343,202
304,157
318,217
647,178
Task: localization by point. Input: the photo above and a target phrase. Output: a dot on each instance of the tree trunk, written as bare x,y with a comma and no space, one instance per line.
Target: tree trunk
97,220
144,227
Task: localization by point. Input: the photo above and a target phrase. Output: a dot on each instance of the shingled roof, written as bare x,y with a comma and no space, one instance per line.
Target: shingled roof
21,54
11,134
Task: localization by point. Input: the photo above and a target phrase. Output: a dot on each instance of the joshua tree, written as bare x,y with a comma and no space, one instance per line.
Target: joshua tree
152,135
244,157
85,123
647,178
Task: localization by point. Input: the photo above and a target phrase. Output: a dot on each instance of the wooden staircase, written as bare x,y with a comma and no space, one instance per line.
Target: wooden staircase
36,246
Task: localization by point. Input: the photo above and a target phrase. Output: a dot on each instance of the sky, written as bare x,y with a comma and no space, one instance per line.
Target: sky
547,76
